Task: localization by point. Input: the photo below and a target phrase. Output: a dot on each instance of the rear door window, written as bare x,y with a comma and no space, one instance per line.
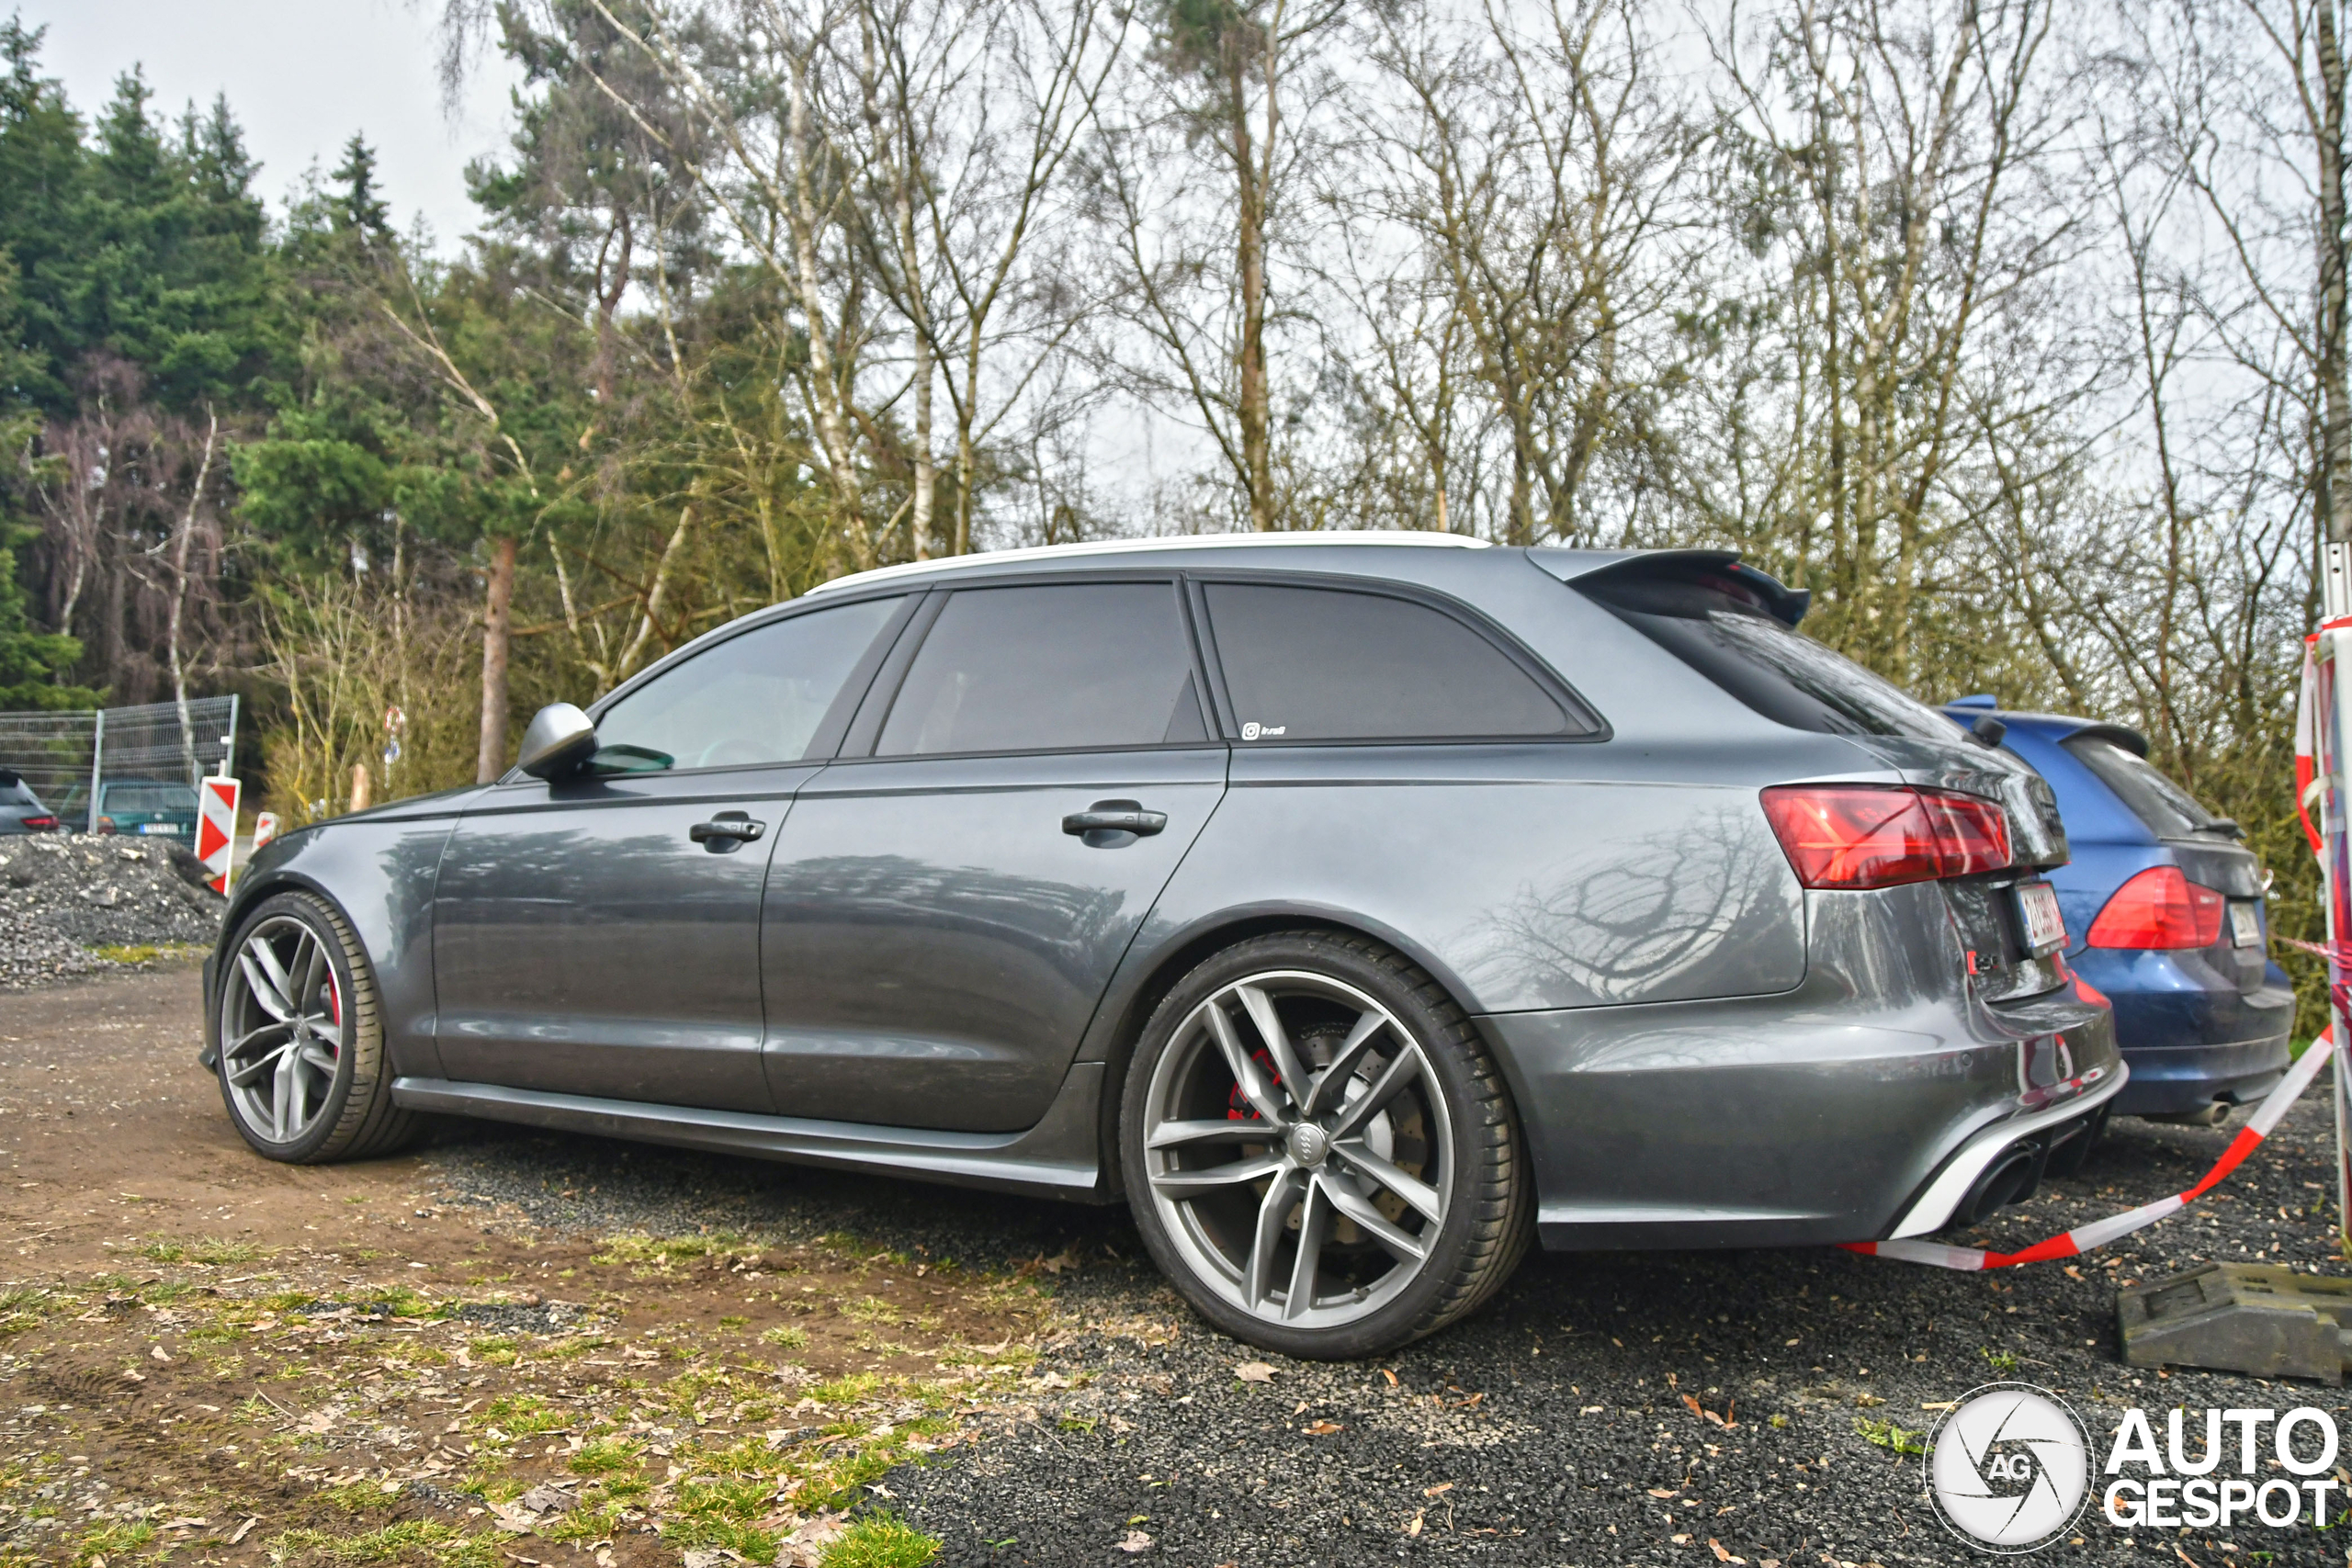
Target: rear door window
2169,811
1334,664
1064,667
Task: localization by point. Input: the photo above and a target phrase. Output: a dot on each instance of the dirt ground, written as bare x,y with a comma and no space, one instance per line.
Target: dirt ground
207,1356
517,1346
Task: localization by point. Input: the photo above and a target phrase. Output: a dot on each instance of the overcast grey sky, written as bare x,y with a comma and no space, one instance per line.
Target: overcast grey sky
302,75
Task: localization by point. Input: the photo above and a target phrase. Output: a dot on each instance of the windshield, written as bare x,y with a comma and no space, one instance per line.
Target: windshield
1717,627
150,797
2169,811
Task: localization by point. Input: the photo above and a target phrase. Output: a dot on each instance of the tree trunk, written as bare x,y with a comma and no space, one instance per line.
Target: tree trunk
179,600
2335,402
1257,457
497,631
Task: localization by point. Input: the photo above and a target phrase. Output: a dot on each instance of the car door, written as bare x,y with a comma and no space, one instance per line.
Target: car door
599,935
950,898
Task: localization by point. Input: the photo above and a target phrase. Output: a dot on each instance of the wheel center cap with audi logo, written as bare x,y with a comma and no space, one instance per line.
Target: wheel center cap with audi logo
1309,1144
2008,1468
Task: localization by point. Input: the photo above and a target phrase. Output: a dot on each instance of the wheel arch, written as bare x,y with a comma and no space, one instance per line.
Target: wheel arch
1147,978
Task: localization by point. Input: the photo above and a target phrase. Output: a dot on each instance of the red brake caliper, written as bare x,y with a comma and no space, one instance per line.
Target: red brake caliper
1237,1106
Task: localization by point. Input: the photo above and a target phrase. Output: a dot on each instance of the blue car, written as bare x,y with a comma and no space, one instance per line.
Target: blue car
2165,916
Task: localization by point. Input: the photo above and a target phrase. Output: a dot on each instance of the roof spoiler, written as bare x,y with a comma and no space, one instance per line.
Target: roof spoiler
1783,603
2131,740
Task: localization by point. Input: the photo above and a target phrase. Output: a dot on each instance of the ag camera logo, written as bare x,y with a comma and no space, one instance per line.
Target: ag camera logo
2008,1468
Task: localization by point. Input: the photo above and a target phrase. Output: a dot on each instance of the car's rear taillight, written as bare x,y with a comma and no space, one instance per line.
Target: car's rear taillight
40,824
1858,836
2159,909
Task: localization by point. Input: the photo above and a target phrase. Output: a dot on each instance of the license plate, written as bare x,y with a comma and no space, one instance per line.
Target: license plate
2245,925
157,828
2045,928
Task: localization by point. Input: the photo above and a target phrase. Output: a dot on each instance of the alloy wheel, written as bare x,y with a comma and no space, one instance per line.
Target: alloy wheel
281,1029
1297,1148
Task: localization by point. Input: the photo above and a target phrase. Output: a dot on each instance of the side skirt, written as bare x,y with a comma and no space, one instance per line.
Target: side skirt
1055,1158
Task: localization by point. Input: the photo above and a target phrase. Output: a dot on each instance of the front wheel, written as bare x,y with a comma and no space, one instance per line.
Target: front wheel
1319,1149
303,1065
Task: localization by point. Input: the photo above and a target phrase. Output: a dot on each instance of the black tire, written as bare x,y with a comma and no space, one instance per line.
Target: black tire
1487,1214
355,1117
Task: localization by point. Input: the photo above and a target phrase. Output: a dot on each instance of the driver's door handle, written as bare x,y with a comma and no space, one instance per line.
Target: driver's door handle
727,830
1115,817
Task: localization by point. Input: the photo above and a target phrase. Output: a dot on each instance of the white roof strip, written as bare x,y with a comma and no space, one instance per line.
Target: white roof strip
1176,542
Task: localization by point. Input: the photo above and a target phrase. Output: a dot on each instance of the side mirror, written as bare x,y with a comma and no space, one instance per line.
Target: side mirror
559,740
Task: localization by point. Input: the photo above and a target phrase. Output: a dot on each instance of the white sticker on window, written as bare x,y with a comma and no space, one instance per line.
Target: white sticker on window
1254,731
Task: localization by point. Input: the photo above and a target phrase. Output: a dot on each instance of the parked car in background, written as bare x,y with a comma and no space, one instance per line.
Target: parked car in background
1357,911
2165,917
149,806
20,809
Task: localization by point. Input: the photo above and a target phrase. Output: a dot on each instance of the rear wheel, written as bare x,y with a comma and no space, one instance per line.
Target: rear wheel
302,1068
1319,1149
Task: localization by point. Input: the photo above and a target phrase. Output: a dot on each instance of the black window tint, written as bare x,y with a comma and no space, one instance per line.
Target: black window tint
1719,630
757,697
1327,664
2170,811
1079,666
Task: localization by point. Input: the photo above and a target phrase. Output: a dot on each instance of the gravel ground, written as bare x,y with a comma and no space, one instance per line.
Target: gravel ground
63,895
1552,1428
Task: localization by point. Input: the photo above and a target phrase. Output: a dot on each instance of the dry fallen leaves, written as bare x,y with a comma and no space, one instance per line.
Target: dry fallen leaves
1413,1524
1440,1490
1254,1371
1136,1541
1660,1492
1322,1429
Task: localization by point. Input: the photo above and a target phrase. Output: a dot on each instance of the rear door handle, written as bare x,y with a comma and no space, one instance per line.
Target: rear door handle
1114,816
727,830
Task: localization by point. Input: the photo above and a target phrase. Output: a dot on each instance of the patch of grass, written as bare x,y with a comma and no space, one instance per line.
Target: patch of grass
359,1497
787,1337
148,953
210,1251
734,1323
444,1546
2002,1361
524,1414
605,1456
20,1309
843,1391
108,1541
879,1540
641,1251
498,1350
869,1309
1889,1436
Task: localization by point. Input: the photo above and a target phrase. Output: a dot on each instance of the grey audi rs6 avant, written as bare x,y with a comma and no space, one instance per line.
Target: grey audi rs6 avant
1356,908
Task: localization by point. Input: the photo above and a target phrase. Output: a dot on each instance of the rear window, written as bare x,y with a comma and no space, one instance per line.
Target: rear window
16,792
2169,811
150,797
1719,627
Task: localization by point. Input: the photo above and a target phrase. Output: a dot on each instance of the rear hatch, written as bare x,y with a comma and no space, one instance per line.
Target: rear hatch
2203,845
1736,625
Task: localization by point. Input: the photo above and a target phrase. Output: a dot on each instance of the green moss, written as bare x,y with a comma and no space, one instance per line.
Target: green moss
410,1540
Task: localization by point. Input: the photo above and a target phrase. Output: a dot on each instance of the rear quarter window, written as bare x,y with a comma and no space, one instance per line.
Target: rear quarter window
1336,664
1720,627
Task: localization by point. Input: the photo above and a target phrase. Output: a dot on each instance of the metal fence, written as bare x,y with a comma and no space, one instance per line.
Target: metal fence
70,758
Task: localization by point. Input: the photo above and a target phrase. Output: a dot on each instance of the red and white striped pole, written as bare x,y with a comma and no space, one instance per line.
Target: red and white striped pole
2322,724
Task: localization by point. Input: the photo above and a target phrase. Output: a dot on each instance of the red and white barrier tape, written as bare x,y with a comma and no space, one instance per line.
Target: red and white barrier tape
2098,1233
